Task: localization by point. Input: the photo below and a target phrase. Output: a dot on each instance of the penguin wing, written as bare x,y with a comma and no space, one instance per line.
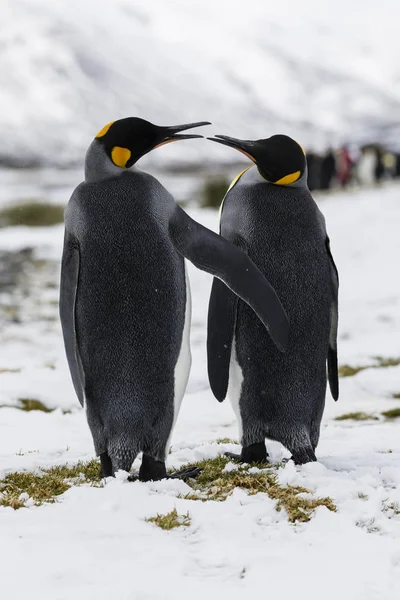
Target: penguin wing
220,330
332,350
219,257
68,293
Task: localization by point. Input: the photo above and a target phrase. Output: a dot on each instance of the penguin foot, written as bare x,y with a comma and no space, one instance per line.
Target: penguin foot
106,469
184,474
151,469
255,453
154,470
303,456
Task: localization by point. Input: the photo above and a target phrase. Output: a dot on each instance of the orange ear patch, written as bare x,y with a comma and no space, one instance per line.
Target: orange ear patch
120,156
104,130
288,179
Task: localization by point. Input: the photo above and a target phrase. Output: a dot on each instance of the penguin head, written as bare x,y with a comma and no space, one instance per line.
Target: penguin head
279,159
126,140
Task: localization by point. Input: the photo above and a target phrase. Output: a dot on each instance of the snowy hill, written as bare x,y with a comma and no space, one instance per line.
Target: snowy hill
252,68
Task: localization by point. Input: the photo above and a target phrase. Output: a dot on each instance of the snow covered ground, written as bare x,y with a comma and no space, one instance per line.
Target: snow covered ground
95,542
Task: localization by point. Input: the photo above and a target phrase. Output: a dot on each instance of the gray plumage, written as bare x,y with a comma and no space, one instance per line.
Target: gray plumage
125,305
129,313
281,396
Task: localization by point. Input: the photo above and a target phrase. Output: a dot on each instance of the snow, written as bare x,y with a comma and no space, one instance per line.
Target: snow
95,542
254,69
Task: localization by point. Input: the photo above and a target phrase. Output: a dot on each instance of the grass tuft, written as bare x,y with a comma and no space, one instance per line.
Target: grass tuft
393,509
214,483
170,520
357,416
213,192
348,371
226,441
28,404
10,370
387,362
32,214
394,413
396,396
46,484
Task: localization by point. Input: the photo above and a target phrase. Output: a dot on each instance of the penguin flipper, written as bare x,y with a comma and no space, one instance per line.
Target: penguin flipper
219,257
333,375
68,292
220,330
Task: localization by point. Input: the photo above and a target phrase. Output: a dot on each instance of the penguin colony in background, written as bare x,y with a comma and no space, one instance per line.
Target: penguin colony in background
125,300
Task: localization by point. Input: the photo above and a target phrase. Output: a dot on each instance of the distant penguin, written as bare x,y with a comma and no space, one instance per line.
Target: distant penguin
125,298
269,212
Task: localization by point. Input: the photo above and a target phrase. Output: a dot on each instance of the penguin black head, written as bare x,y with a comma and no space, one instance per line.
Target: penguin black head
127,140
279,159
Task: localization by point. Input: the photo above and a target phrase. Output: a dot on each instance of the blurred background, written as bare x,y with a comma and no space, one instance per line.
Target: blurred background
327,74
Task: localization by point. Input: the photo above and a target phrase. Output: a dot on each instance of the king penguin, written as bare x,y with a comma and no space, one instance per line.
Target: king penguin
125,299
269,213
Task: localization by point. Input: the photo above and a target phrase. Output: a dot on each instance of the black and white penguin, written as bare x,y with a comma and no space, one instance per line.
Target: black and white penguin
125,298
269,212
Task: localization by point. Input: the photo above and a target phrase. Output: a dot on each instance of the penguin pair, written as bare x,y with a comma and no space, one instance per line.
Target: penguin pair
125,297
270,214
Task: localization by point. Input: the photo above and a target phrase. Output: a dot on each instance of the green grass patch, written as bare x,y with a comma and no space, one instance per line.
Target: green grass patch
170,520
226,441
393,508
394,413
28,404
349,371
32,214
396,396
214,483
357,416
213,192
45,485
387,362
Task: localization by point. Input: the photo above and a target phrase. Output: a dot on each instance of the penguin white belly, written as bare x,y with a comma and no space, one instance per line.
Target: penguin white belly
235,385
182,367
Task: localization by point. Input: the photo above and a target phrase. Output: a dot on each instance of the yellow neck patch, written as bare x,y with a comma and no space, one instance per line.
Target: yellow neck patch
234,182
104,130
288,179
120,156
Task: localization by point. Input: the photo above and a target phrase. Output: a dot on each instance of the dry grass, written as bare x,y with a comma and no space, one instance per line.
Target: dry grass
28,404
32,214
170,520
213,192
214,483
46,484
394,413
357,416
387,362
349,371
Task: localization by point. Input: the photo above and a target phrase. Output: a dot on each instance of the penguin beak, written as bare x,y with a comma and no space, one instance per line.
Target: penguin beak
246,147
171,134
